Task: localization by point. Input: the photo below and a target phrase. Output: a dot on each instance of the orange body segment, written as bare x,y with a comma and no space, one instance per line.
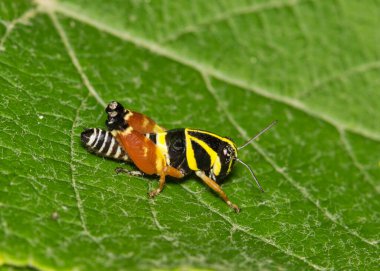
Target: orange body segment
142,124
142,151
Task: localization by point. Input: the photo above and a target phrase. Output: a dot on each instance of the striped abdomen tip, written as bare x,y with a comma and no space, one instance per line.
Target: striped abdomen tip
88,136
103,143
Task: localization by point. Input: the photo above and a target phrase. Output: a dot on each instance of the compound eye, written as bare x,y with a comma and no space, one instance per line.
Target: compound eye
227,154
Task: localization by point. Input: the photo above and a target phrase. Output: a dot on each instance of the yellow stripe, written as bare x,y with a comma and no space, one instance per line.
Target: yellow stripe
215,161
161,139
217,167
161,145
213,155
191,162
214,135
158,129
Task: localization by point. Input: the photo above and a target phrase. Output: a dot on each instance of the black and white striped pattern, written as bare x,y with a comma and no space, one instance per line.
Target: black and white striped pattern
103,143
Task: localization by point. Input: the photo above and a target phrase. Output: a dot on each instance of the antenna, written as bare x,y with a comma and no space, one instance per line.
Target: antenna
253,174
249,141
259,134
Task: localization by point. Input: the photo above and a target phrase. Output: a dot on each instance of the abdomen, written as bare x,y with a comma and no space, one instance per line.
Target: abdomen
103,143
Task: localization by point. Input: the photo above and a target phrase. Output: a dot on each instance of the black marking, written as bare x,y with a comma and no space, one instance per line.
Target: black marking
108,143
212,141
114,106
153,137
201,156
115,120
176,143
114,149
100,140
96,132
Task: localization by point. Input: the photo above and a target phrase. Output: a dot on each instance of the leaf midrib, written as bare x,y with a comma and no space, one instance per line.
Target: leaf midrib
160,50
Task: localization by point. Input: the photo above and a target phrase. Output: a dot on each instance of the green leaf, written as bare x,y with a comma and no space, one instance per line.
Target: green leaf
15,268
230,67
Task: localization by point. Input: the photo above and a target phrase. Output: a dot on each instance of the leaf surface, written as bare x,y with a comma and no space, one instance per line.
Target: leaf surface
230,67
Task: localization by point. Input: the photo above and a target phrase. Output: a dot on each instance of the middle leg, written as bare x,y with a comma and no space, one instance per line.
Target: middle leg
158,190
167,171
136,173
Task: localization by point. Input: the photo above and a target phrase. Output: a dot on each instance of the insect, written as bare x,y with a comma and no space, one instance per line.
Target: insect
136,138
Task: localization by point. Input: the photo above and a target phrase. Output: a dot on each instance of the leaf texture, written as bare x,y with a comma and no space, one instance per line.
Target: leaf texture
230,67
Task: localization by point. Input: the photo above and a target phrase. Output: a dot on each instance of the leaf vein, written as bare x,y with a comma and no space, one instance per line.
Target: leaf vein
355,161
304,192
73,181
226,16
363,68
23,19
74,59
164,232
249,233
